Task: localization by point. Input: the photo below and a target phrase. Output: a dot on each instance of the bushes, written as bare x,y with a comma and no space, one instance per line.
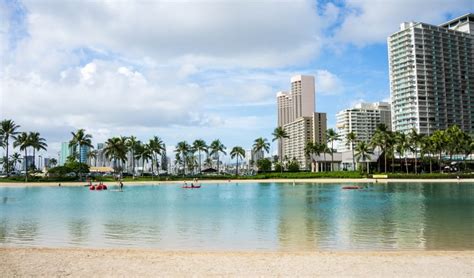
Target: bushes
432,176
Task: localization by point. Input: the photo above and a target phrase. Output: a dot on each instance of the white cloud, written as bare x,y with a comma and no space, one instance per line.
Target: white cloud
372,21
328,83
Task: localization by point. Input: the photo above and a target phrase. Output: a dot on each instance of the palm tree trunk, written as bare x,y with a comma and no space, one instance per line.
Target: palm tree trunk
8,172
34,158
200,169
416,164
368,168
26,166
406,163
218,163
431,166
353,158
385,159
332,155
237,169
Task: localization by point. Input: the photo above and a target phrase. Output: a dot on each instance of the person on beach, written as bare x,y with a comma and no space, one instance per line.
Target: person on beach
121,186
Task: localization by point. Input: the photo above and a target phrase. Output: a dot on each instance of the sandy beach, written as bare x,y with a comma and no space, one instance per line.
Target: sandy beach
296,181
48,262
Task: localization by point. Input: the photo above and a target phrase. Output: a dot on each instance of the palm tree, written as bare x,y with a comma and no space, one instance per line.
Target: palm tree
16,158
132,144
312,149
144,153
8,129
116,149
52,162
279,134
23,142
331,137
157,148
217,147
79,139
261,144
381,139
363,152
439,142
37,143
415,139
182,150
351,137
237,152
402,146
92,155
199,146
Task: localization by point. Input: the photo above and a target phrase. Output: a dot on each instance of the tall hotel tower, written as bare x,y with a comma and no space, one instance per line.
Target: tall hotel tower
432,75
297,116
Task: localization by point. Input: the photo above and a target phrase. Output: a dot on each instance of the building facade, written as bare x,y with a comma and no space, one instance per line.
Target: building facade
297,116
362,120
65,152
432,75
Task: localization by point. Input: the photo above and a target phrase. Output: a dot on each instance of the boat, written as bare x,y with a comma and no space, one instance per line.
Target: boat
351,187
192,186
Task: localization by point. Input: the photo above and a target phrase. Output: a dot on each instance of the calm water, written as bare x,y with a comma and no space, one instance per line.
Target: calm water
233,216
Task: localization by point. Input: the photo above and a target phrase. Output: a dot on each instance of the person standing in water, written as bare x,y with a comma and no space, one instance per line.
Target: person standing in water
121,186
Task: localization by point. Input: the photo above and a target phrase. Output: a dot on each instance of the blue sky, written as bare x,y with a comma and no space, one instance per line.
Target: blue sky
184,70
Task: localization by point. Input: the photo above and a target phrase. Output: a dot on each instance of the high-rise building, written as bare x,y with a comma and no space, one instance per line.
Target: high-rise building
297,117
432,75
84,153
362,120
65,152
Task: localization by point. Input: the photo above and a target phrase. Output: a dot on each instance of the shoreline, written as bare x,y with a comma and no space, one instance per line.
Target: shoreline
24,261
296,181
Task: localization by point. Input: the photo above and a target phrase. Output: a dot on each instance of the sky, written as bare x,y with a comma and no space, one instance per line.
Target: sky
186,70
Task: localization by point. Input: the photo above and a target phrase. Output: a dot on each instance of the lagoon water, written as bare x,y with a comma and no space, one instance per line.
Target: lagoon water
242,217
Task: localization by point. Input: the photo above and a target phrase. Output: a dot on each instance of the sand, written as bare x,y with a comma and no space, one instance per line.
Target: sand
49,262
296,181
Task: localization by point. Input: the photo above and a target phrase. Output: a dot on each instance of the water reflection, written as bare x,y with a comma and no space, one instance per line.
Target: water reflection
244,217
79,230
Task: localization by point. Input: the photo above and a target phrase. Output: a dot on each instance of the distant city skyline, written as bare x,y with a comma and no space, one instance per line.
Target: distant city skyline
210,71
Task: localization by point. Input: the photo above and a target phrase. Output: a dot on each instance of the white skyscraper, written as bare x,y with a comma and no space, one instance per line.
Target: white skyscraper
432,75
362,120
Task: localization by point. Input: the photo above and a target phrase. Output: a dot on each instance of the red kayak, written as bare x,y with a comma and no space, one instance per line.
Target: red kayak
351,187
198,186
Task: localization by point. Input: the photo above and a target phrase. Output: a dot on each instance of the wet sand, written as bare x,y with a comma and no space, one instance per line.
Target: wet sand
54,262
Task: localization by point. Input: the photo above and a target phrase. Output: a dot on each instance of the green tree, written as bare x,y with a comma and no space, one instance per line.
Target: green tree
294,165
8,129
15,158
143,153
237,152
261,144
439,141
116,150
427,149
132,144
264,165
332,136
157,148
182,150
312,149
37,143
414,141
351,138
80,139
217,147
22,141
92,155
279,134
381,139
52,162
402,146
199,146
363,152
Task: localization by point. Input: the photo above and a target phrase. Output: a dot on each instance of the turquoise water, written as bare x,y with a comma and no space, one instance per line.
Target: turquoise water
229,216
